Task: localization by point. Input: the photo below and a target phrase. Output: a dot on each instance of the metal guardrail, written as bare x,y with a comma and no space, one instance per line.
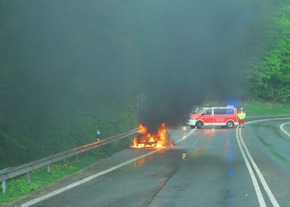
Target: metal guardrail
13,172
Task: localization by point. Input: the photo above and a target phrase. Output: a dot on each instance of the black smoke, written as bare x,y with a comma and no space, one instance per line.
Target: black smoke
62,55
208,44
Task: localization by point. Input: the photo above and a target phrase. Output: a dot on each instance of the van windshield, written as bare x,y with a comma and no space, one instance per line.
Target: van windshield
199,109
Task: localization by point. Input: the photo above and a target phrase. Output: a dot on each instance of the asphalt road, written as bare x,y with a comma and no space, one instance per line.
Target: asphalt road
209,167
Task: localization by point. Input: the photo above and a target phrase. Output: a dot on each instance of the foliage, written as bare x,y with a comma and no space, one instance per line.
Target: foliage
270,79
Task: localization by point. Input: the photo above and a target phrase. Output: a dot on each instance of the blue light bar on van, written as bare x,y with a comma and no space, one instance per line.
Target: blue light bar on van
230,106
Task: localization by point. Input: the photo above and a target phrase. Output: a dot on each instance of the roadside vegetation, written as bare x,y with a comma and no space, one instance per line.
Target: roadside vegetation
268,76
259,108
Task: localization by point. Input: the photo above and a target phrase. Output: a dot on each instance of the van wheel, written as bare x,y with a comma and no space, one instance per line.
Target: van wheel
230,124
199,124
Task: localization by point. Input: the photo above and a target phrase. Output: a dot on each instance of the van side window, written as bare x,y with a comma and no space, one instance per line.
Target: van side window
230,111
218,111
223,111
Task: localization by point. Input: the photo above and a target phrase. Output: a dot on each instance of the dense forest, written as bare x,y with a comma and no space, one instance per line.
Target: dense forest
71,68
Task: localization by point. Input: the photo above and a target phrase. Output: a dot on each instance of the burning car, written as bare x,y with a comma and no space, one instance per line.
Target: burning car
146,139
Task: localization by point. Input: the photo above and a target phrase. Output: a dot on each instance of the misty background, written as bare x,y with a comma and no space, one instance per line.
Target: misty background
61,60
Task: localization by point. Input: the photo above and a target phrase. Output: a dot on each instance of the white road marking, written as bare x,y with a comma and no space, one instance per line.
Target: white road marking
283,130
252,174
195,141
261,177
250,161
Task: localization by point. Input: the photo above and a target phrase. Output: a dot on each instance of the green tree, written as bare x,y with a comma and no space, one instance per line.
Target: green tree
270,79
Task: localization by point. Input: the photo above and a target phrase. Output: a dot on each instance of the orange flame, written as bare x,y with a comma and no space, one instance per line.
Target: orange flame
144,139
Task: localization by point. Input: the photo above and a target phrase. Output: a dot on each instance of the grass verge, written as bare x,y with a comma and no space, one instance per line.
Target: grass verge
265,108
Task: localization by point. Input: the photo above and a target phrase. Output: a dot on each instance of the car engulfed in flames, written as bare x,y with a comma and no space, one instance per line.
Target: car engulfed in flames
146,139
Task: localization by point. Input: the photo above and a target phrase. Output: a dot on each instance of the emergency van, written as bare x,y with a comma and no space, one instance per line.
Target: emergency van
214,116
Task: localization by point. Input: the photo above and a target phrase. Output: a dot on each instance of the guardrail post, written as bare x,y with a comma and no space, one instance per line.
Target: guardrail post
77,158
29,177
49,168
4,186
